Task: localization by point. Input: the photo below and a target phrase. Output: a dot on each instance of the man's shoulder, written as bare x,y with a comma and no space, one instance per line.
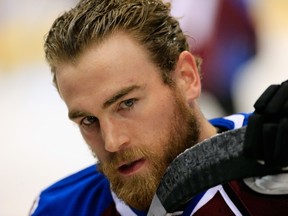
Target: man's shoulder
76,180
81,193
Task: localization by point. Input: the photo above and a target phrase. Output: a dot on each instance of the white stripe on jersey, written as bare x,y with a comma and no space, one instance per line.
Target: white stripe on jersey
237,119
209,194
121,207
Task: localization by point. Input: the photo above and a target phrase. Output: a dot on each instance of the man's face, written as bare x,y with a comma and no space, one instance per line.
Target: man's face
134,123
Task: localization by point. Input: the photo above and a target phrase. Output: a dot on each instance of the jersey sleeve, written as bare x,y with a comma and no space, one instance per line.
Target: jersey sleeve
84,193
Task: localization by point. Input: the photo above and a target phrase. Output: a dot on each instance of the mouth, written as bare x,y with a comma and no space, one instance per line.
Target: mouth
131,167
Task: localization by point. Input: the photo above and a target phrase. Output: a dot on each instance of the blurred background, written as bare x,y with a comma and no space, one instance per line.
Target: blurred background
242,42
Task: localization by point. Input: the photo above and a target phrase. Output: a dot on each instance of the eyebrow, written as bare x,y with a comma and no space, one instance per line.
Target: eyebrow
77,114
118,95
121,93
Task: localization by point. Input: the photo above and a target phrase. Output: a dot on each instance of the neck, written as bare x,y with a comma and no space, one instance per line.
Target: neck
207,130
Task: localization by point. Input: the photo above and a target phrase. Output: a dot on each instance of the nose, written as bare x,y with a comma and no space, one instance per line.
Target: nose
114,135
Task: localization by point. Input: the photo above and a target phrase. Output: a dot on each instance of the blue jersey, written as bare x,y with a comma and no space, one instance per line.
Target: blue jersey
87,193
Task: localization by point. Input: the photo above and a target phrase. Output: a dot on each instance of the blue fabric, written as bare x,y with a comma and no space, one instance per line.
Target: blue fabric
192,204
228,124
84,193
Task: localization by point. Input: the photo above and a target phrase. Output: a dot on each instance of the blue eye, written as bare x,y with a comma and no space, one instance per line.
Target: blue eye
89,120
127,104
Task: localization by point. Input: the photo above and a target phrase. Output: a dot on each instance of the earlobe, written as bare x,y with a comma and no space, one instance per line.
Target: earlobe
187,76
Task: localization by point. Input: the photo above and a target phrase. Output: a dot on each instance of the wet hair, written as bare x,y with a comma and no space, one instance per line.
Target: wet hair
92,21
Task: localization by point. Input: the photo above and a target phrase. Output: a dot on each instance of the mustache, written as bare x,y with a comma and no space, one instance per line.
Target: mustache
125,156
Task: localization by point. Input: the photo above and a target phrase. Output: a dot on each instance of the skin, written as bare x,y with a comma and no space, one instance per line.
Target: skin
117,97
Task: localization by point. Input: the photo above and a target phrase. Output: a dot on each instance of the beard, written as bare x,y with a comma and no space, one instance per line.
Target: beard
181,133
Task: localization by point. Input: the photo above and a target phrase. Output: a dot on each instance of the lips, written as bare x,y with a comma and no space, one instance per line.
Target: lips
131,167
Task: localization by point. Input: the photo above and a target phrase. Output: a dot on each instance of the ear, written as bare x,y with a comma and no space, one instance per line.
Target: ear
187,77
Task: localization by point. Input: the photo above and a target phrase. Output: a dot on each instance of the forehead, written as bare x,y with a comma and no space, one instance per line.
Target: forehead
119,60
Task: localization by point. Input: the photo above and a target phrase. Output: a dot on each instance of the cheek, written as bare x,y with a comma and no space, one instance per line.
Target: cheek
161,116
156,125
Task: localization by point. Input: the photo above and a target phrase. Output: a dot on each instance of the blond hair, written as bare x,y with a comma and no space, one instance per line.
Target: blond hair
91,21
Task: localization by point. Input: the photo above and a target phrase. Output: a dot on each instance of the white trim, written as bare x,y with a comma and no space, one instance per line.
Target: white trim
210,194
121,207
229,202
237,119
